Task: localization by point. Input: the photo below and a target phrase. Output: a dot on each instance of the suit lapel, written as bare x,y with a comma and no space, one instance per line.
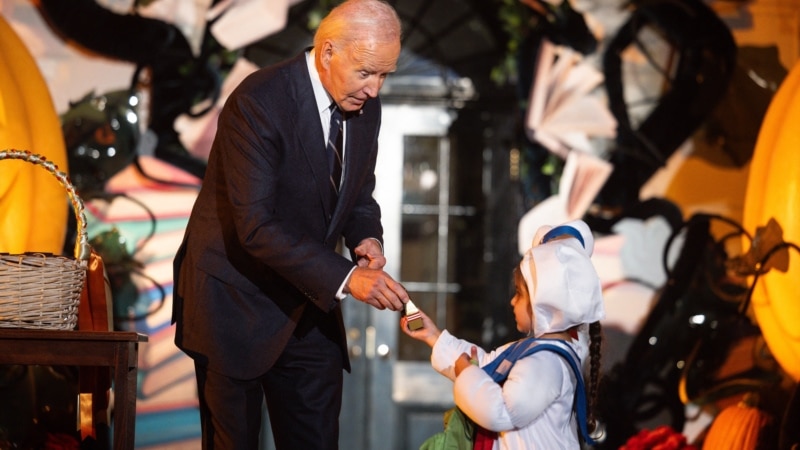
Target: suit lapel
311,137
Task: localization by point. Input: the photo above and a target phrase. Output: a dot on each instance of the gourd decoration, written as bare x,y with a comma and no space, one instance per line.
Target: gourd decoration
28,121
772,194
737,427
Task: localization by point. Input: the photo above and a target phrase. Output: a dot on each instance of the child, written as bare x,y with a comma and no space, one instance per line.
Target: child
558,300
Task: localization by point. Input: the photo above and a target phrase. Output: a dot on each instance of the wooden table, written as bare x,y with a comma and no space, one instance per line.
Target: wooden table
115,349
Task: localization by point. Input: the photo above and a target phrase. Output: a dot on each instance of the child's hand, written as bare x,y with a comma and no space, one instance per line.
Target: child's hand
429,332
465,360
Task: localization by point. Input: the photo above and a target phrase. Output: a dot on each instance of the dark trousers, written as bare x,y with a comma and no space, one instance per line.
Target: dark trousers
303,392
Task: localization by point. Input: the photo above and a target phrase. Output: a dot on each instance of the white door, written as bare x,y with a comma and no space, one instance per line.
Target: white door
393,398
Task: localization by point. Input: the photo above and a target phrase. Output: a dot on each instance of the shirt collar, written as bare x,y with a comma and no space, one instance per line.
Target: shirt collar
321,96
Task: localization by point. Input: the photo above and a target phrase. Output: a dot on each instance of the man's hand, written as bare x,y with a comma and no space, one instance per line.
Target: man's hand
370,254
375,287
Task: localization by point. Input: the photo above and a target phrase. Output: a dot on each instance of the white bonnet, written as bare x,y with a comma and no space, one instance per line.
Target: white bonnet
562,282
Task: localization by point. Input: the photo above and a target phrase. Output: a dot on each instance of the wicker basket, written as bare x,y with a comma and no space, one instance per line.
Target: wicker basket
40,290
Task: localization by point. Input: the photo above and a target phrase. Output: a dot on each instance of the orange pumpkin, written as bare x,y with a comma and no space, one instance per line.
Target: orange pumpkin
773,192
33,205
737,427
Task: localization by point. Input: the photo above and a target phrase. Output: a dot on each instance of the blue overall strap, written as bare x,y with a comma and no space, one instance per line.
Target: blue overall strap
561,230
499,367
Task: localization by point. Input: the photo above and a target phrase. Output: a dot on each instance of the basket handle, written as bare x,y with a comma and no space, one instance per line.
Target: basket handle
82,248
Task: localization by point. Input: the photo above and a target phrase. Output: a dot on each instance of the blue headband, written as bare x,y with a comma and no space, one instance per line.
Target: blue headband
562,230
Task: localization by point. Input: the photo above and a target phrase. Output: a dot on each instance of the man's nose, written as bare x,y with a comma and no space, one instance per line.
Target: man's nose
373,86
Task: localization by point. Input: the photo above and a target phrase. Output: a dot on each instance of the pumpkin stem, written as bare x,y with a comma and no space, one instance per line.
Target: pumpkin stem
750,400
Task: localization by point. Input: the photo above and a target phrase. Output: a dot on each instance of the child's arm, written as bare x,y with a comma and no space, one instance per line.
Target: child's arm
449,357
533,384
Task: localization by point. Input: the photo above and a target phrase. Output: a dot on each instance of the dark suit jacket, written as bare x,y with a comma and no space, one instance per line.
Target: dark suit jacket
259,247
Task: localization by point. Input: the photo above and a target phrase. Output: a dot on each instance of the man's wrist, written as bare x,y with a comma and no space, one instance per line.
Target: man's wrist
343,291
380,244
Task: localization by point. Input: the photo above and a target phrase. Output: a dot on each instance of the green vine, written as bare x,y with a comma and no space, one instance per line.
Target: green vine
516,20
316,15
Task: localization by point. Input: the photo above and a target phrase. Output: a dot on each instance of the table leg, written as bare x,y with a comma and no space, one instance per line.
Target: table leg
125,397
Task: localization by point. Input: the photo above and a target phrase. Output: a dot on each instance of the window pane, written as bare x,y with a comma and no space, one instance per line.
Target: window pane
420,244
421,170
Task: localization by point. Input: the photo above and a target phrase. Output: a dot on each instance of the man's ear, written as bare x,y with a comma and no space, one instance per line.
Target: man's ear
326,53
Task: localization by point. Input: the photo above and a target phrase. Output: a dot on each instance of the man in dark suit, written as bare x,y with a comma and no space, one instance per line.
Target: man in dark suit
258,278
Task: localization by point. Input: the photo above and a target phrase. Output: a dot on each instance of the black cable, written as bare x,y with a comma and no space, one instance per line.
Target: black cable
746,304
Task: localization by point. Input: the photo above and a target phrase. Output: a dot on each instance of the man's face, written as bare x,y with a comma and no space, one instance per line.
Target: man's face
355,73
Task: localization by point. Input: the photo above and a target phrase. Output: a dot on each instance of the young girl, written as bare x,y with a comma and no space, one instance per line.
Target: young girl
558,300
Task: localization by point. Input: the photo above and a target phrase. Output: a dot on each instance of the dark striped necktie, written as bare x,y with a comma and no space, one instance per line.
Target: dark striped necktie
335,139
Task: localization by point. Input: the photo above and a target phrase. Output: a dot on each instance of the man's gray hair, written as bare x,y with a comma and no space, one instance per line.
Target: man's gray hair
359,20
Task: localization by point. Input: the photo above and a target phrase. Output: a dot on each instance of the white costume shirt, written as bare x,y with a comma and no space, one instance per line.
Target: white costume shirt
533,408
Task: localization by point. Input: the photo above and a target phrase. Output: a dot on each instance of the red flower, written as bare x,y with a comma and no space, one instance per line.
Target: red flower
660,438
